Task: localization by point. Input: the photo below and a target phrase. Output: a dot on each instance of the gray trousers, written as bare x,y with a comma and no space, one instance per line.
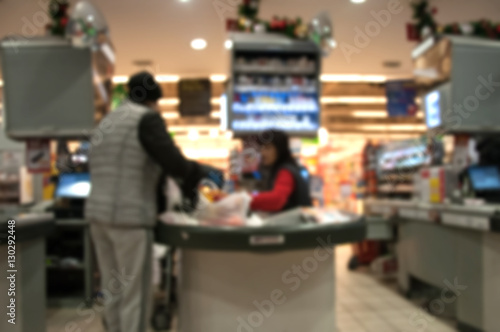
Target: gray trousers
124,256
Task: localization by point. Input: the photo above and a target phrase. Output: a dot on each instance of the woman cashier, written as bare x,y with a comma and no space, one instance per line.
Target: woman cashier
287,188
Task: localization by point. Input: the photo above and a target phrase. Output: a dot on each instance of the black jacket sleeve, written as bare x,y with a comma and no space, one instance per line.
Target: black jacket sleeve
161,148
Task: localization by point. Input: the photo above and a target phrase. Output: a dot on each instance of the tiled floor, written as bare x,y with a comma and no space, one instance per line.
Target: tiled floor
364,304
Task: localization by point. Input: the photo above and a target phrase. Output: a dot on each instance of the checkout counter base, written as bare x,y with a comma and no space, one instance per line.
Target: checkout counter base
223,291
30,297
464,264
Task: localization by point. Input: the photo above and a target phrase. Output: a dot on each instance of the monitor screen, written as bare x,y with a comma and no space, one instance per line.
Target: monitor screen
485,178
74,185
433,109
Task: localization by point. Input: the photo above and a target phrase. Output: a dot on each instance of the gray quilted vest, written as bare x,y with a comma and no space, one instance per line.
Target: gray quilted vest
124,178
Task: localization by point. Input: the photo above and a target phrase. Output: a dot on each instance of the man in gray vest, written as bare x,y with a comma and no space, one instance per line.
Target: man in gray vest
125,166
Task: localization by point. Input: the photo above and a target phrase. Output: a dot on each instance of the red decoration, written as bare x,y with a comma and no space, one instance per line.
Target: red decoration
64,21
434,11
412,32
231,24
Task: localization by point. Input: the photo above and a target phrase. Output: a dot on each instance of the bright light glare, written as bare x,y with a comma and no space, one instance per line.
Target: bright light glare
199,44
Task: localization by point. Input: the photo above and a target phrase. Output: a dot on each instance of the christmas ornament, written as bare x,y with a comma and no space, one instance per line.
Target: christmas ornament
423,17
301,31
259,27
321,32
86,24
466,29
58,10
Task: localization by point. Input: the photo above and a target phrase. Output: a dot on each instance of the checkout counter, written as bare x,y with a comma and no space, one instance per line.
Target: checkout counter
275,276
448,243
28,268
448,220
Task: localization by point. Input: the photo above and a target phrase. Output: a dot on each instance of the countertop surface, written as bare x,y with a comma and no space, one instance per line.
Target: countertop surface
285,231
27,226
475,217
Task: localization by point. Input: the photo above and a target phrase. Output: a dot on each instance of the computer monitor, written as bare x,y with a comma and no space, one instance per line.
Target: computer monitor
73,185
485,178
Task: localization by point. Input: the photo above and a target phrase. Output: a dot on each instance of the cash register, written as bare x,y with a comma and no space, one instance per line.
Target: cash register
482,181
69,198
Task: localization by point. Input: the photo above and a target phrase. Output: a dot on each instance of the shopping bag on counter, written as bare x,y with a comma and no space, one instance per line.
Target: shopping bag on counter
230,210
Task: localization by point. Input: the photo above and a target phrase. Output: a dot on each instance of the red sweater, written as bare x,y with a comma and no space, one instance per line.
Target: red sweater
275,200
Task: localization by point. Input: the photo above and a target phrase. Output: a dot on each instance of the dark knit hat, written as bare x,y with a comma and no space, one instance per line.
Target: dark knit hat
143,87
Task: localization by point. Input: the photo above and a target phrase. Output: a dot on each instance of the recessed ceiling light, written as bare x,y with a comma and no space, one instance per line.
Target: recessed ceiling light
358,1
218,78
167,78
120,79
228,44
199,44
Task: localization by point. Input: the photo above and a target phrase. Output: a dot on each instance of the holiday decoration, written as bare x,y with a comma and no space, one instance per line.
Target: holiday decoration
321,32
119,94
86,24
425,25
424,20
248,21
58,10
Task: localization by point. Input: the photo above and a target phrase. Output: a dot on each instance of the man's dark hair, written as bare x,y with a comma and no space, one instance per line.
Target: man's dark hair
143,87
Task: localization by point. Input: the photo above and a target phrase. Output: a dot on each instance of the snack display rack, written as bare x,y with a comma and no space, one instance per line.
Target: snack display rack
274,84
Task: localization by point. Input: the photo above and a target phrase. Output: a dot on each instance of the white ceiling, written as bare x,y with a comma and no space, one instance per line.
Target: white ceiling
161,31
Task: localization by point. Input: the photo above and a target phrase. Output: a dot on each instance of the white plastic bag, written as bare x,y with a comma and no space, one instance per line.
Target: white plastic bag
232,210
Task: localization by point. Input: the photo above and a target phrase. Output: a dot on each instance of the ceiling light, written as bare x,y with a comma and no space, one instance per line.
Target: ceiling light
323,136
193,135
370,114
120,79
199,44
168,101
170,115
215,101
215,114
358,1
354,100
228,44
394,127
353,78
218,78
167,78
214,133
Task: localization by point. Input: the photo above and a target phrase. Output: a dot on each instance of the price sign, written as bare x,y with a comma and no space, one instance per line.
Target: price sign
38,156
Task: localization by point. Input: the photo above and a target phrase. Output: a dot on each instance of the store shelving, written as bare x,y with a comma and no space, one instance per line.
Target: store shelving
275,84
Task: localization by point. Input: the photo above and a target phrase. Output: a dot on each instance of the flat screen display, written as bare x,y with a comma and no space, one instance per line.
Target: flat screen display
433,109
74,185
485,178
